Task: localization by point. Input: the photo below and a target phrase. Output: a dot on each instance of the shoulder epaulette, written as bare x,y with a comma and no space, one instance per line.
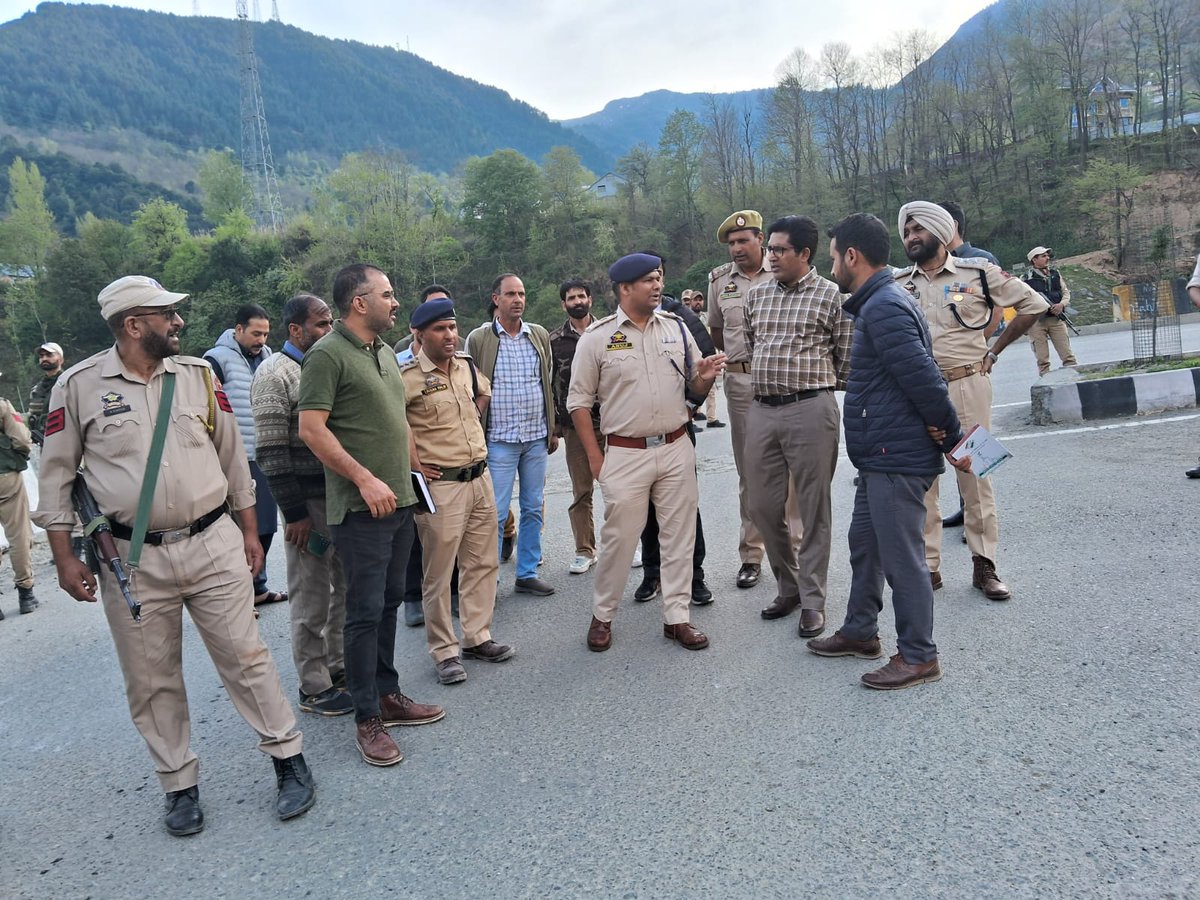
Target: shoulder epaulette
192,361
600,322
462,354
669,315
81,366
720,271
405,366
972,262
903,273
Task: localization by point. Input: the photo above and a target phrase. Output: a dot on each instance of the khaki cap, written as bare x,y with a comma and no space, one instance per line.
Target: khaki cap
1037,251
743,218
133,291
689,294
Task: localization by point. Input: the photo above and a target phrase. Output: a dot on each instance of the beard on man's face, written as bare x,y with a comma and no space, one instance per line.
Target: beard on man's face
160,346
923,251
579,311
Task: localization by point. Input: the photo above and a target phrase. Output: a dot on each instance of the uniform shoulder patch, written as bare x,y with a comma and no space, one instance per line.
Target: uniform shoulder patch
618,340
56,420
222,400
720,272
600,322
903,273
192,361
405,366
81,366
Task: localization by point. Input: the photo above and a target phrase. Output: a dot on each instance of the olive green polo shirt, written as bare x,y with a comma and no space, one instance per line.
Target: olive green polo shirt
359,385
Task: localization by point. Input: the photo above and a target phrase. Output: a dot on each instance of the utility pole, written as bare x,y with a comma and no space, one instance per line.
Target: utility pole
275,11
258,165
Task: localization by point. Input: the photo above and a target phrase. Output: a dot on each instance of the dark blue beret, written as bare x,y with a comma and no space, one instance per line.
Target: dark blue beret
432,311
632,267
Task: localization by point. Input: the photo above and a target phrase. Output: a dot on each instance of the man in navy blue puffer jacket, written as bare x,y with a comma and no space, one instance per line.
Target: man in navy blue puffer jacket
899,421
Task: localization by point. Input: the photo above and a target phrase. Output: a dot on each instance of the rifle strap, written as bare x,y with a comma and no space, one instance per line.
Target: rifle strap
150,478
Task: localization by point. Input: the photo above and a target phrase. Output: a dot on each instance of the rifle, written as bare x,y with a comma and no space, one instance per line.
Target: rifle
1067,321
96,527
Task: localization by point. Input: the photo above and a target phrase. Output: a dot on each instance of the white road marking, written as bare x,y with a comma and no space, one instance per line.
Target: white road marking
1086,428
1007,405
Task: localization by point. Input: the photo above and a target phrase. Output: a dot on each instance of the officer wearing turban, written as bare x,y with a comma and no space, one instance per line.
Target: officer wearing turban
957,297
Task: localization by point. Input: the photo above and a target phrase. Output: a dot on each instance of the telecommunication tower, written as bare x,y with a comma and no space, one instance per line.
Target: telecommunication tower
258,165
275,11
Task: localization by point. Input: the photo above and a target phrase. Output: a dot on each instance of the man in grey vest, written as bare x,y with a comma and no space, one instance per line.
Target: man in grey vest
236,357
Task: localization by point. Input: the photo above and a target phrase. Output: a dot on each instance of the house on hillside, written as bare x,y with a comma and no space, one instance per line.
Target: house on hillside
1110,108
606,186
9,274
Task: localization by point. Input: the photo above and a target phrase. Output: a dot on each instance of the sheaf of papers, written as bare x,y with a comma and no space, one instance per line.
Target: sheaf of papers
985,451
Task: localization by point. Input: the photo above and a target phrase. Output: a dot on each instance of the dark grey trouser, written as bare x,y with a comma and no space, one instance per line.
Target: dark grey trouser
374,556
887,541
795,444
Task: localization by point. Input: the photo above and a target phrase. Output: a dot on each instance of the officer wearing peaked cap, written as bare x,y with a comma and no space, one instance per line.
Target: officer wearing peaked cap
637,364
106,413
728,285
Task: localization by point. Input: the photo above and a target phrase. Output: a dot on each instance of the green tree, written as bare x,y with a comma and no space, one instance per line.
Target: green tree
159,228
501,202
224,192
1106,194
27,234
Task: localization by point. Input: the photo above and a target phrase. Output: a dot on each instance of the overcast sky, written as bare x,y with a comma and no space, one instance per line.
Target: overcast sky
570,58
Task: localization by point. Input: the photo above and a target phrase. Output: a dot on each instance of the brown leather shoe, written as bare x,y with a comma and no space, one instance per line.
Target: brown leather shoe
898,674
396,709
375,744
988,581
599,636
935,578
812,623
838,644
780,607
683,633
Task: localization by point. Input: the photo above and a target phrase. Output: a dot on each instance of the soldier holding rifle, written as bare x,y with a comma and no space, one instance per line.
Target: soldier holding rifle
162,457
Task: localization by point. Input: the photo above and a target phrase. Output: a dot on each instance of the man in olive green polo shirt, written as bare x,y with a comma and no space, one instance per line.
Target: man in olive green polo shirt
352,418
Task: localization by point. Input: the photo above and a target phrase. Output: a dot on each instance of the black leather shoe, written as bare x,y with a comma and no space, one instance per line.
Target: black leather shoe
954,520
297,792
781,607
812,623
506,549
1193,473
701,595
647,590
184,815
748,574
297,786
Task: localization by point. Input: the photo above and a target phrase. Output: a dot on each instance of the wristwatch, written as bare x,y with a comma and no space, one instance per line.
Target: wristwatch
995,356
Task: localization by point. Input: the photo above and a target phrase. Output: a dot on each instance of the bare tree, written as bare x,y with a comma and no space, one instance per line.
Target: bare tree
1071,27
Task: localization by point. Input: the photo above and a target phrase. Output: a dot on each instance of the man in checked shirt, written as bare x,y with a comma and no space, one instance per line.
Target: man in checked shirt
799,341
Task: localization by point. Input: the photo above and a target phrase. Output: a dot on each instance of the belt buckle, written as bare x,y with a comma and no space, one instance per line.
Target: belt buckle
656,441
174,537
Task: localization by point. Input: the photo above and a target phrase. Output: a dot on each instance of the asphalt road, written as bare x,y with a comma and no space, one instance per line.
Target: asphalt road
1057,757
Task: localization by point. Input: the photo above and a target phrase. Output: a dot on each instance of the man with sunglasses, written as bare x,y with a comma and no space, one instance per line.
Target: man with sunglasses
105,414
957,297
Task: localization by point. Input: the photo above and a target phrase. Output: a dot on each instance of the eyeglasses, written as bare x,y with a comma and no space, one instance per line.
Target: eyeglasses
167,313
777,251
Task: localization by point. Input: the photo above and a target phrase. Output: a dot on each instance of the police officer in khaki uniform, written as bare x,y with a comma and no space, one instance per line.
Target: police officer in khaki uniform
727,288
103,414
638,364
954,294
444,398
15,446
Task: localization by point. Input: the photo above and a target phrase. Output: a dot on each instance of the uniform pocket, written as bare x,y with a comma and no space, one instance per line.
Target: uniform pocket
121,436
190,425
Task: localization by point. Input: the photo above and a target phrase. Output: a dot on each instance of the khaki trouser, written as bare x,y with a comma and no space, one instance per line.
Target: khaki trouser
710,406
795,445
1055,330
582,487
629,480
14,516
317,602
739,395
972,399
207,573
463,528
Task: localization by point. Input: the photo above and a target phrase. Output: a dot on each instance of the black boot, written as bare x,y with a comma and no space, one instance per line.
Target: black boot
297,790
26,599
647,589
184,815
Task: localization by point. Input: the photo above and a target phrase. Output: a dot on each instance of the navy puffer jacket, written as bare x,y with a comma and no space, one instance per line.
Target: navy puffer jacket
895,387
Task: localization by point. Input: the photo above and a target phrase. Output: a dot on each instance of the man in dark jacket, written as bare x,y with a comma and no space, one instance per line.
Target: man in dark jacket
899,420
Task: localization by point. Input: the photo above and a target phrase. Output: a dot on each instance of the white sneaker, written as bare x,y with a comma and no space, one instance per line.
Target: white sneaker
581,564
637,559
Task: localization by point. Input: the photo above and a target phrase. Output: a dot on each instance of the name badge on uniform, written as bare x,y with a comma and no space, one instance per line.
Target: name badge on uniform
730,290
113,404
433,384
619,341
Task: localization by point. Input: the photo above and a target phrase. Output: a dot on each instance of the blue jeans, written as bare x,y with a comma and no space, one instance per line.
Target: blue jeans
374,556
527,461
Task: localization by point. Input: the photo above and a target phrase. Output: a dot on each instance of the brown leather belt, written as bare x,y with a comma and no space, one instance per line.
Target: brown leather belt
656,440
743,367
154,538
961,372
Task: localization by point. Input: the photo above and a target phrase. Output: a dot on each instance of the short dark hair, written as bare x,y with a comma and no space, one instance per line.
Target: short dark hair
801,232
500,280
299,307
347,282
864,233
433,289
956,213
570,285
116,322
249,311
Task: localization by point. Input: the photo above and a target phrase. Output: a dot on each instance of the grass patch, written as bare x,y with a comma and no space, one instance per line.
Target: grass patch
1162,365
1091,295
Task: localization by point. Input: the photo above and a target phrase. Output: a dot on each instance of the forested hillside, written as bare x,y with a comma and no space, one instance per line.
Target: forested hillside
176,78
